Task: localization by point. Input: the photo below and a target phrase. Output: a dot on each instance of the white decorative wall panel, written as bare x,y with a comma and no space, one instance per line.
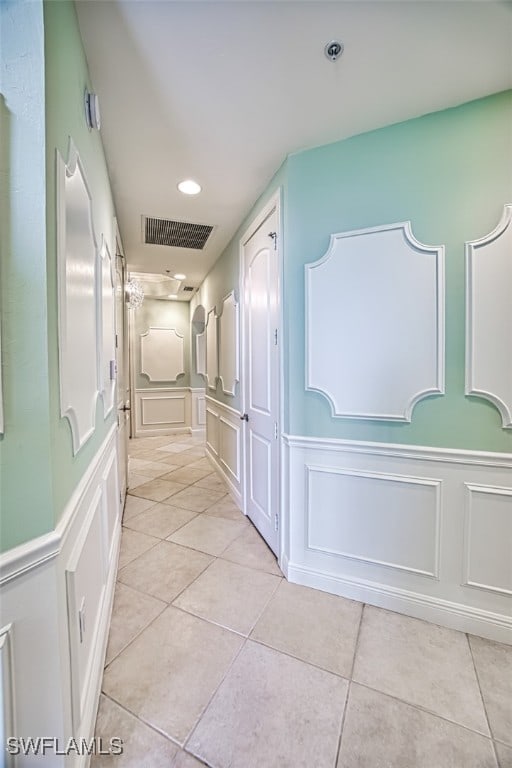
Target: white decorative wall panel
111,505
198,410
85,582
488,538
201,353
165,409
7,727
229,447
423,531
229,345
106,327
76,247
161,354
212,357
384,519
375,323
489,317
201,411
212,431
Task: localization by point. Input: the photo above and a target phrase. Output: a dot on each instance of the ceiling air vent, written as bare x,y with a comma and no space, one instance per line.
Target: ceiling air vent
178,234
188,288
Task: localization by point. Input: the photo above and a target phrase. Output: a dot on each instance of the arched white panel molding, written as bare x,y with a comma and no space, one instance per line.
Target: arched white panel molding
375,323
212,357
229,344
489,317
76,254
161,354
199,333
106,328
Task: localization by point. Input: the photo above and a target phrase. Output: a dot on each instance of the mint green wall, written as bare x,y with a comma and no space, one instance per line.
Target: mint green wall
225,277
66,80
25,477
449,173
161,314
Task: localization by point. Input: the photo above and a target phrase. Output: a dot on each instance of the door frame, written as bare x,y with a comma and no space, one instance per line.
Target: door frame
274,203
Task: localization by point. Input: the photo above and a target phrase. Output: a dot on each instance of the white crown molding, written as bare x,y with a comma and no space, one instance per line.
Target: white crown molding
325,323
152,363
77,289
229,373
489,317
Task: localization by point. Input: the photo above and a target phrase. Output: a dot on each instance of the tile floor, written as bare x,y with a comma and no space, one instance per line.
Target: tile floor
214,659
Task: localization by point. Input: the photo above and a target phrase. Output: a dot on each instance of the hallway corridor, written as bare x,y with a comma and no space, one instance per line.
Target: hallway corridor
214,659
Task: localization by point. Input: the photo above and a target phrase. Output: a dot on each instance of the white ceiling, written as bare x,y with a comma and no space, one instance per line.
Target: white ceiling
221,92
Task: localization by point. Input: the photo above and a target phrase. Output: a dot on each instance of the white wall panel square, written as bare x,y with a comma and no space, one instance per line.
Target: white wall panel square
228,345
162,354
212,430
375,323
387,520
163,409
229,445
489,538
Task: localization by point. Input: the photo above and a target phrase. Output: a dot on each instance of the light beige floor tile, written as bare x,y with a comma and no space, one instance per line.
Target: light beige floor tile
202,464
212,481
153,454
230,595
135,480
132,611
177,447
186,475
151,469
493,663
420,663
184,760
158,490
196,499
166,570
208,534
170,671
504,756
134,505
312,625
161,520
381,732
133,544
250,550
227,509
176,460
142,746
271,711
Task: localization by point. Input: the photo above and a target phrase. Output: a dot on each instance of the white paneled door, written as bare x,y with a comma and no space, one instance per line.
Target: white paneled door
261,377
123,387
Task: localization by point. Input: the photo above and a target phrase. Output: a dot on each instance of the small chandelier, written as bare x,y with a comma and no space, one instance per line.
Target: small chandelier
134,294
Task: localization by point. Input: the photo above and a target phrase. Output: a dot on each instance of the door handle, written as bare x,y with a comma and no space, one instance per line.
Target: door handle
244,417
125,408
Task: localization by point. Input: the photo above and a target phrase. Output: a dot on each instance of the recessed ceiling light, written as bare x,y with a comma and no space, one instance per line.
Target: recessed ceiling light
189,187
179,276
172,296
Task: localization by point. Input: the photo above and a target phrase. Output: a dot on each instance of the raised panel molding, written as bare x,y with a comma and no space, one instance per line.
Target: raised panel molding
7,724
489,317
165,409
106,344
161,354
488,538
395,508
375,323
212,431
212,353
77,292
229,344
224,444
201,353
229,447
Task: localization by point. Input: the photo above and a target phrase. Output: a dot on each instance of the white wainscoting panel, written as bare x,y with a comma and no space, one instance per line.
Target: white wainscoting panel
76,253
423,531
161,354
106,328
161,411
375,323
224,444
488,540
198,410
7,724
368,517
212,352
229,344
489,317
42,585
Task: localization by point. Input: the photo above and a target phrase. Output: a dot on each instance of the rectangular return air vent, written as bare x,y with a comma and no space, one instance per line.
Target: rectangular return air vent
188,288
178,234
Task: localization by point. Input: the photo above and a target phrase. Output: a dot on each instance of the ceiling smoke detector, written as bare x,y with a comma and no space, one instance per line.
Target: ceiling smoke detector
333,50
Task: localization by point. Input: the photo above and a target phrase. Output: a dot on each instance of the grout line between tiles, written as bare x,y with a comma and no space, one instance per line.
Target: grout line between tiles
344,714
164,606
141,719
483,700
